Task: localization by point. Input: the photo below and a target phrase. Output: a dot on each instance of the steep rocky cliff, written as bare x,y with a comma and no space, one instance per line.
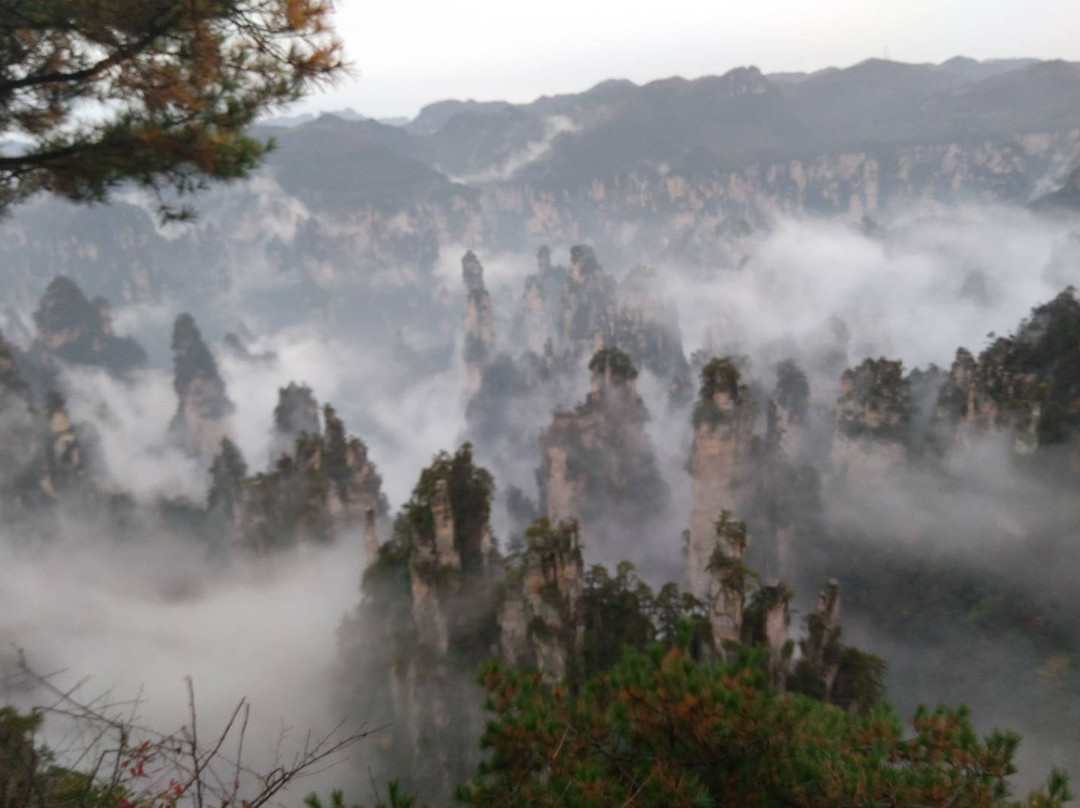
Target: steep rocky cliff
541,303
781,498
646,326
204,412
766,621
727,579
479,327
296,414
789,411
597,462
327,485
676,169
540,618
587,304
19,449
1024,387
72,329
723,424
42,462
873,414
64,461
431,600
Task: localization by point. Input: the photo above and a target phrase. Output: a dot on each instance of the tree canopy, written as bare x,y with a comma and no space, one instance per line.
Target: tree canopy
664,729
155,92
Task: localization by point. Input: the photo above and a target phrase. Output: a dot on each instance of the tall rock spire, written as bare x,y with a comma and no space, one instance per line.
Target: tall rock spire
597,461
588,304
723,428
296,413
204,412
77,330
541,302
789,411
872,418
479,329
727,580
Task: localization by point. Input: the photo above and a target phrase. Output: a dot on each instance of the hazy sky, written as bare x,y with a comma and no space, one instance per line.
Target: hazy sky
412,52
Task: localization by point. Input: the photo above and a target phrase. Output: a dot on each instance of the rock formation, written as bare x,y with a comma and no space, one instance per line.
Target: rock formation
76,330
296,414
597,462
225,498
325,486
782,501
513,402
873,415
821,650
433,597
587,304
727,573
645,325
42,461
204,412
723,428
238,349
540,616
65,464
372,540
766,621
479,329
1024,387
789,411
541,303
19,450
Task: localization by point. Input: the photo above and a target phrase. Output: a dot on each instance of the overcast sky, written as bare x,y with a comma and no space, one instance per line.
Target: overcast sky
412,52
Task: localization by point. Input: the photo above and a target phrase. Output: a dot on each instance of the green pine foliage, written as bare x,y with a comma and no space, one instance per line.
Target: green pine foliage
662,728
720,375
621,610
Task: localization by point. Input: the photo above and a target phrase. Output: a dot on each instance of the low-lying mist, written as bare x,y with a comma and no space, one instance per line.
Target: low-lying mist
141,614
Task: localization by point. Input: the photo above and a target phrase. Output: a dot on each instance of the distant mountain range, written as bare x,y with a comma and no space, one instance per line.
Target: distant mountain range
673,170
728,121
693,128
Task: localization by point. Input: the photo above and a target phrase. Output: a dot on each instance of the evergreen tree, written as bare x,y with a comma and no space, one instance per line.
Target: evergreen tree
177,84
663,729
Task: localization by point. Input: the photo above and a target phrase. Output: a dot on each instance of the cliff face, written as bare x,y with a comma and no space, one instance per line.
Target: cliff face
789,411
566,315
479,328
783,503
327,485
766,622
309,225
433,595
76,330
41,458
727,580
821,650
1024,387
19,450
64,455
296,414
540,619
873,414
684,211
587,304
719,462
646,326
541,303
633,315
597,462
204,412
